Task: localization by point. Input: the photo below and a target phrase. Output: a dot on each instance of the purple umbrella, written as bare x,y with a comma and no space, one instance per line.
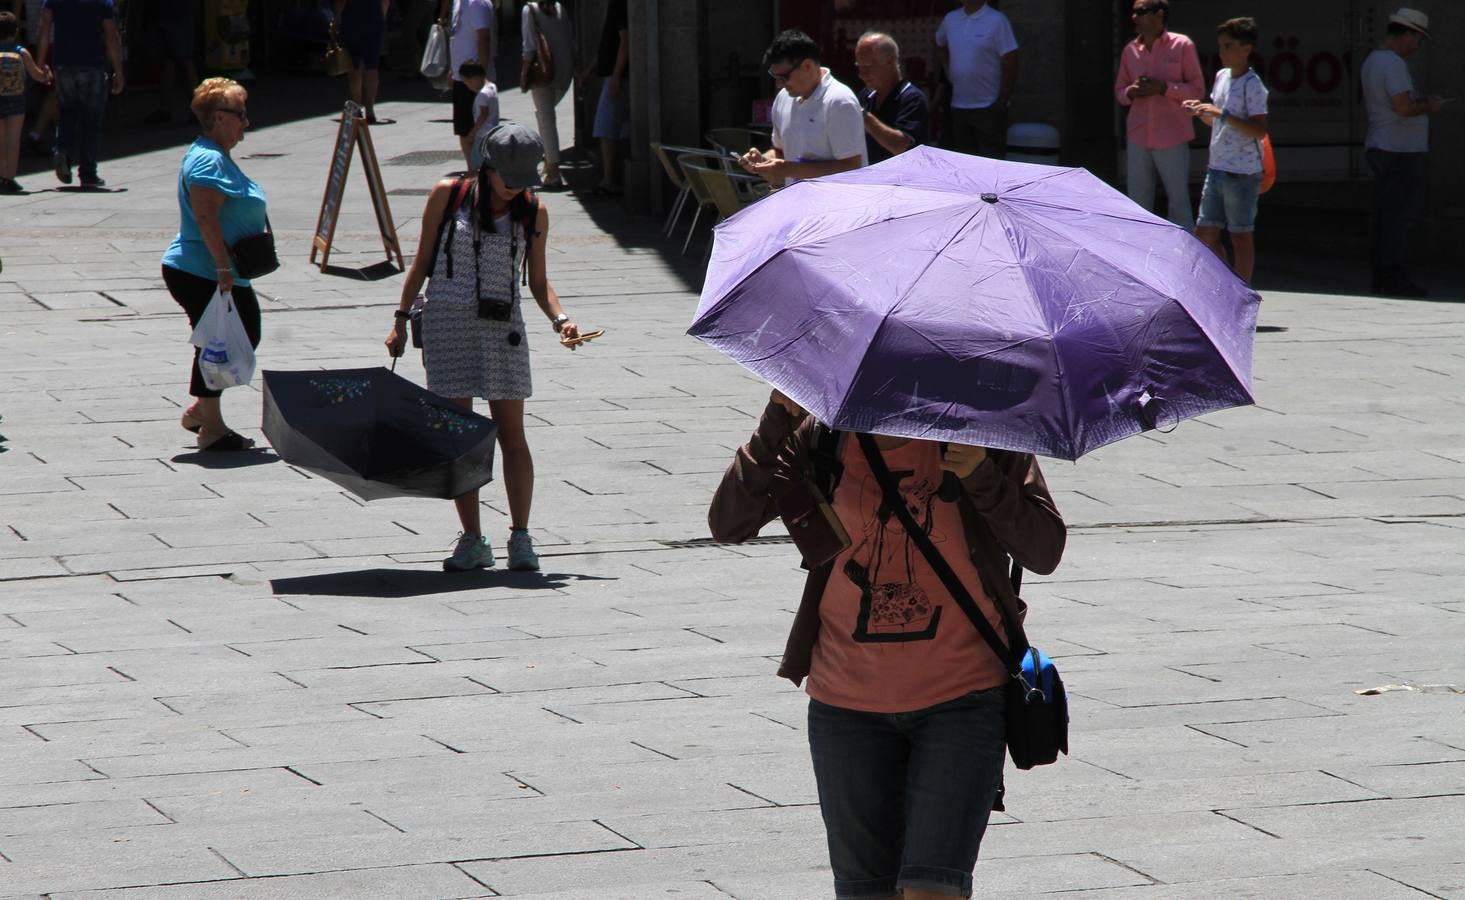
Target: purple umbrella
951,297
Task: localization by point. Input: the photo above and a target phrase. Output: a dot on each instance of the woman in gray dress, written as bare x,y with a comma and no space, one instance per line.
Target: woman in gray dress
474,340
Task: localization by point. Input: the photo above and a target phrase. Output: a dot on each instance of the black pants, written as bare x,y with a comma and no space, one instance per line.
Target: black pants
1399,181
981,132
193,294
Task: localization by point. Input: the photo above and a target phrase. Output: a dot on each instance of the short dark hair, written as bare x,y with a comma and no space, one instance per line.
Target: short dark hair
8,26
1163,6
1241,29
792,47
472,69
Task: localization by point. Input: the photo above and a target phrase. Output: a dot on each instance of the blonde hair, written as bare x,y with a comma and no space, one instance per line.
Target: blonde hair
209,96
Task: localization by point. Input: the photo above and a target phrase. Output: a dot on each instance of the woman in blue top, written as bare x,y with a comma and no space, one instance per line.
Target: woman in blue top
218,205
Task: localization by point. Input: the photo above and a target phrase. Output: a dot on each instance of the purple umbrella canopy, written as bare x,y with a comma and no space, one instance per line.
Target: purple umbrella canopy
951,297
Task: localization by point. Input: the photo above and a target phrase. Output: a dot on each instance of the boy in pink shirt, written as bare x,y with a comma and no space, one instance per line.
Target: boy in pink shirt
1158,72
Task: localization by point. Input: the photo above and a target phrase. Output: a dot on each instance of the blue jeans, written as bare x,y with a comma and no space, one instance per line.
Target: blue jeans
906,796
1398,190
1173,166
81,94
1228,200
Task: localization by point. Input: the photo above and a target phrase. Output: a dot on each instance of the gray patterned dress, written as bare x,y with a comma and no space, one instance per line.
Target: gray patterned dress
466,356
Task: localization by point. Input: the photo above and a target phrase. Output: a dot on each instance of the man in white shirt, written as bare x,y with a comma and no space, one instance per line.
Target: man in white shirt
818,125
471,39
977,50
1395,147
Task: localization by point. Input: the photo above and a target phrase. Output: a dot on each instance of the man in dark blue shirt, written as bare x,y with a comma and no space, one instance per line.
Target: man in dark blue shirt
87,39
897,114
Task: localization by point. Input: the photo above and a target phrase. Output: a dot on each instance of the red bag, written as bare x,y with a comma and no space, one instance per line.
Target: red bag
1269,165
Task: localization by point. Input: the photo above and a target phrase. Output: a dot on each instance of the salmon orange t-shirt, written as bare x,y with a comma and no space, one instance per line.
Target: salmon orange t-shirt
891,638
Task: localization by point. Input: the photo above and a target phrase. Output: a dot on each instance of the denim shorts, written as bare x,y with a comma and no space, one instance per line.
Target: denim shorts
1228,201
906,796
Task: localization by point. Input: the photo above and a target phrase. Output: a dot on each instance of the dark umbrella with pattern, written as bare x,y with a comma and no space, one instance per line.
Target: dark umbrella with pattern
376,434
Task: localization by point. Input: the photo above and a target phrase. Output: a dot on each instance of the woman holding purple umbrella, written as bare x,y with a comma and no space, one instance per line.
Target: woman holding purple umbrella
906,697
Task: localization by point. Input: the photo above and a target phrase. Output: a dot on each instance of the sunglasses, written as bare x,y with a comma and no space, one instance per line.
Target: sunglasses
240,114
1144,11
783,77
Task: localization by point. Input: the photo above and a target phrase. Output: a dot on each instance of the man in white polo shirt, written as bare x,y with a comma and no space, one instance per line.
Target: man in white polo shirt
976,48
818,125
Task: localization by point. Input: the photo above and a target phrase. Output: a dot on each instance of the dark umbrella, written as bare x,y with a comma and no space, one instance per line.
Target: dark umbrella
376,434
950,297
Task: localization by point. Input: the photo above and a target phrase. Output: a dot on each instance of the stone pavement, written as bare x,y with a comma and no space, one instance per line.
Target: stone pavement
226,678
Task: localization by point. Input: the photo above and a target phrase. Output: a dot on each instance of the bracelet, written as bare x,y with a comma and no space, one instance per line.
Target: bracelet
558,322
401,314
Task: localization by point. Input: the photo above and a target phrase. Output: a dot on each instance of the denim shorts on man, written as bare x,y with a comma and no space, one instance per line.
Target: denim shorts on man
906,796
1228,201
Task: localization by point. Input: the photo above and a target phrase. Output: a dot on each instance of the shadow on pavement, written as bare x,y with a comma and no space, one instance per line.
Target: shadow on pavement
374,272
237,459
396,583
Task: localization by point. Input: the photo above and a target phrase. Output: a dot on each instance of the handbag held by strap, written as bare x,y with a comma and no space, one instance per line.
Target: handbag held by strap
1036,712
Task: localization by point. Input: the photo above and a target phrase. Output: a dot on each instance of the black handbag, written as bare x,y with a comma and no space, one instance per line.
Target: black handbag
254,255
1036,711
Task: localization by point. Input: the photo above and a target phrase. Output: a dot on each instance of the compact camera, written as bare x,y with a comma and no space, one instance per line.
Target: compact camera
497,310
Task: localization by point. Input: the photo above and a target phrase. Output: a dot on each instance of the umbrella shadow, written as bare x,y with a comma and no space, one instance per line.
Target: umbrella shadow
374,272
398,583
239,459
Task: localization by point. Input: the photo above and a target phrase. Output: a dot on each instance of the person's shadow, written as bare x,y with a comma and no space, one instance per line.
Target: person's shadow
398,583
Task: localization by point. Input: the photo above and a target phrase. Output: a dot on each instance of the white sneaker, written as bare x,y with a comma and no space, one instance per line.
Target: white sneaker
522,557
472,552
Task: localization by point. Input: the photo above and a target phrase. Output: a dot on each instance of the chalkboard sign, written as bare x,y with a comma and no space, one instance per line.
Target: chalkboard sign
352,133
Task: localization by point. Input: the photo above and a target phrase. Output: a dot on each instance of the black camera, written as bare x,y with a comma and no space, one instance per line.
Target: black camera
497,310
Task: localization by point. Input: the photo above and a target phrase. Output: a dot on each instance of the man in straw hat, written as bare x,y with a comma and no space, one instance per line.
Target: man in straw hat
1395,147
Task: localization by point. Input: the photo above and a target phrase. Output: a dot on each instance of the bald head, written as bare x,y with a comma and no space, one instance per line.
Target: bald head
878,58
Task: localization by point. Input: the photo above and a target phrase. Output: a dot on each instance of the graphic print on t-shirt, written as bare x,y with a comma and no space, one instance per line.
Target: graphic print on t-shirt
893,606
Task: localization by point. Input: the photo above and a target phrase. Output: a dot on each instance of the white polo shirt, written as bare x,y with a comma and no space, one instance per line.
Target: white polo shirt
828,124
977,43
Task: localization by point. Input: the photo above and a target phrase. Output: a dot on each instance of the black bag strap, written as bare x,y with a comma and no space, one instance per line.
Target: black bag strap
895,503
449,223
824,455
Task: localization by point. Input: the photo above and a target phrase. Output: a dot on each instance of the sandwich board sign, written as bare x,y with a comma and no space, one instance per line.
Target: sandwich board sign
353,133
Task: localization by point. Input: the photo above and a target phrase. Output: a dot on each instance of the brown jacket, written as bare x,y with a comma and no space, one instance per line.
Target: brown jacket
1006,510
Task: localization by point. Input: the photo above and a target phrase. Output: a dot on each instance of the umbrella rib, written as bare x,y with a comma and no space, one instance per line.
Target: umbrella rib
955,233
1052,344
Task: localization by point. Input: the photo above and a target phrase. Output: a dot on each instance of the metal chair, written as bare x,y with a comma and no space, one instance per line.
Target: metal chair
669,154
737,139
700,192
721,187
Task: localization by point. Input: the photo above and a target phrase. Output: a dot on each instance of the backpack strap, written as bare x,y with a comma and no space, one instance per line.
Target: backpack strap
450,222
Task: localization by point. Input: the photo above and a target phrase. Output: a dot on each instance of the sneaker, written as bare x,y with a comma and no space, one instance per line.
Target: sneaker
94,181
522,557
472,552
62,166
10,186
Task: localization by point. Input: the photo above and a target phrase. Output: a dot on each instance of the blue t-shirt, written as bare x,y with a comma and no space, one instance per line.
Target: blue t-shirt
78,34
242,214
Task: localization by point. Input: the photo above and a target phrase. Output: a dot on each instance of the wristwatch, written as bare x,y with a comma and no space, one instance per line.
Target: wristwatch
558,322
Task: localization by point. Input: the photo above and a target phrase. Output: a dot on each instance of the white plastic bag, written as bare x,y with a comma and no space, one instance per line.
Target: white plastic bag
225,357
435,55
